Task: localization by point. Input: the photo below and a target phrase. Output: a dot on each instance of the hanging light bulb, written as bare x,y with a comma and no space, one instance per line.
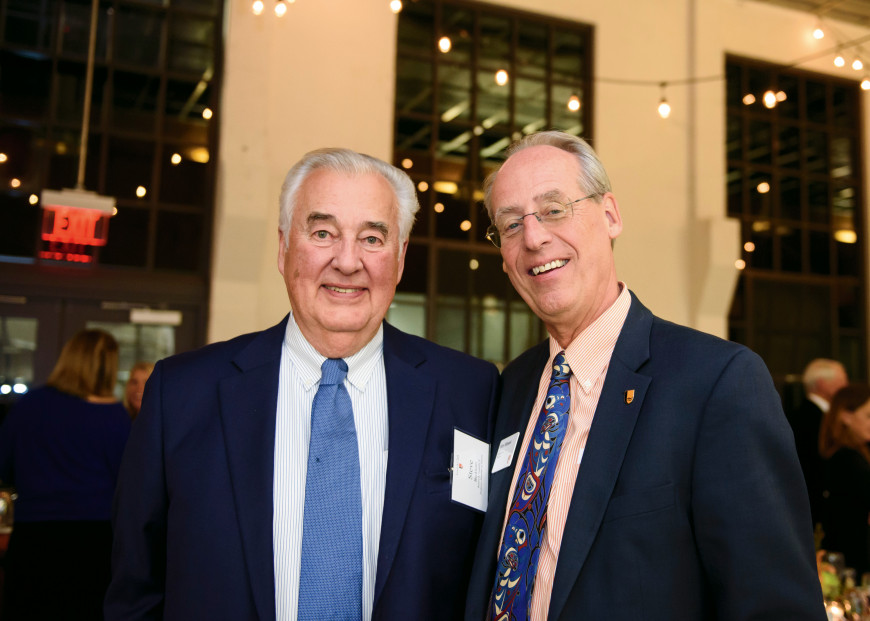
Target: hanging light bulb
769,99
280,8
501,77
865,83
573,103
781,96
839,61
748,99
818,33
857,64
396,6
444,44
258,7
664,106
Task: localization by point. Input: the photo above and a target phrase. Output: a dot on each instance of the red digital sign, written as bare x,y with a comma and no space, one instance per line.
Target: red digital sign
72,232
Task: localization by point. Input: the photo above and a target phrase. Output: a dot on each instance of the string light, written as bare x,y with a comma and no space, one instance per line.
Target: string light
818,33
501,77
444,44
396,6
257,7
769,99
865,83
857,65
280,8
664,106
839,61
573,103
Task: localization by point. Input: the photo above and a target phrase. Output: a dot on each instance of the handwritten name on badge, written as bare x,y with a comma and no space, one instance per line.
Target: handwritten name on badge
470,482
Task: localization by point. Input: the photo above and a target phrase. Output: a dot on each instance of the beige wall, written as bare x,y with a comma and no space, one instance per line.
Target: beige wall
323,76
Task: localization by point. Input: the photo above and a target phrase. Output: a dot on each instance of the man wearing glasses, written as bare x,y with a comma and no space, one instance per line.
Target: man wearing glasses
641,470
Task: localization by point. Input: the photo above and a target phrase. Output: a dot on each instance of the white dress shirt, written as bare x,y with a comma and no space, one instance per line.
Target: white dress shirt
366,383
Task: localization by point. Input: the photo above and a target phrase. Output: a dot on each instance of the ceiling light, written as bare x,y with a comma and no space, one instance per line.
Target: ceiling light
501,77
444,44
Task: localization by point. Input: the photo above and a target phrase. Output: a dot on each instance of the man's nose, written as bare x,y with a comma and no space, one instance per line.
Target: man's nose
347,257
535,234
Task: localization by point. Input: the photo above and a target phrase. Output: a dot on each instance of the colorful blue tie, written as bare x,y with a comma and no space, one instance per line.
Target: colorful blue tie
518,555
330,586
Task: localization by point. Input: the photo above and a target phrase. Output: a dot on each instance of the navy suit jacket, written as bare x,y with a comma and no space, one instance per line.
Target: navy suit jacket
689,503
193,510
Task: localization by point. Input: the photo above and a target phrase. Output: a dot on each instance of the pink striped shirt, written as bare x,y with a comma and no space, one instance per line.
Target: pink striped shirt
588,355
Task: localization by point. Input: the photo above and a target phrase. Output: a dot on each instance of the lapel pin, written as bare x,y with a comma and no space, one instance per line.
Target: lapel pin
629,396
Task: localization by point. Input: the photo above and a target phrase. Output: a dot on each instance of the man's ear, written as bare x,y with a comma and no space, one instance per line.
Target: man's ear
611,212
282,249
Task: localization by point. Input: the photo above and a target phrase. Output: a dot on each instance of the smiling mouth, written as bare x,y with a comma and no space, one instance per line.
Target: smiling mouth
342,289
547,267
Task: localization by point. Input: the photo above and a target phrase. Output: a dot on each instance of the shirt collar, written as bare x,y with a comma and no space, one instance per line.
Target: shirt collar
306,360
589,353
823,404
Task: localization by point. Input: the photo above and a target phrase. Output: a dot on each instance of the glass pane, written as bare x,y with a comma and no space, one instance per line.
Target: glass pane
845,103
762,236
816,153
449,221
210,7
450,322
735,191
848,260
18,347
455,93
179,241
129,167
525,330
184,175
136,343
562,115
453,141
819,201
488,319
457,23
531,55
790,246
733,85
416,269
416,25
788,155
820,253
790,198
134,101
849,307
19,225
138,34
185,103
816,109
414,86
24,85
494,43
407,312
530,105
841,156
71,78
568,56
76,29
29,23
759,194
191,45
413,135
493,101
734,138
760,142
128,238
790,108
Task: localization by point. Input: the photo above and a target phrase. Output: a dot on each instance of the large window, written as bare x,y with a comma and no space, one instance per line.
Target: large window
471,78
795,184
152,131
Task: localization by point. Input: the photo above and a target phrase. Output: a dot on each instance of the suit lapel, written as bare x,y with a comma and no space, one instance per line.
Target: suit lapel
517,400
248,403
609,436
410,399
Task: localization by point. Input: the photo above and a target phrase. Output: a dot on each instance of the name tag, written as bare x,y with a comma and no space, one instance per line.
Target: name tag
505,454
470,484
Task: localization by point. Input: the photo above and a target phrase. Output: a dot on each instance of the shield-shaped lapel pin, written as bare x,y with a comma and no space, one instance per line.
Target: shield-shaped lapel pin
629,396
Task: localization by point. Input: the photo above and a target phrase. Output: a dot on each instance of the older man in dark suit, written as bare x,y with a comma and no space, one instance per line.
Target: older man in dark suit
303,472
644,470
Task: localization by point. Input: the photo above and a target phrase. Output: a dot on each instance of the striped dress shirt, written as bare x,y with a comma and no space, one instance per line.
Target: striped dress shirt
366,384
588,355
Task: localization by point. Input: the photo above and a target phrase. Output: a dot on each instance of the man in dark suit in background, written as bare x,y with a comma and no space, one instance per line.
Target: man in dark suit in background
644,470
304,471
822,378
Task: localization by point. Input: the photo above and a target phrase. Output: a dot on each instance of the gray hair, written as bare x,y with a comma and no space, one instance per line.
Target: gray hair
593,178
820,369
350,163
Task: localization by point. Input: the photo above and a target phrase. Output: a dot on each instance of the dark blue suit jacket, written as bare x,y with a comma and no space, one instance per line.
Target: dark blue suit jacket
689,503
193,510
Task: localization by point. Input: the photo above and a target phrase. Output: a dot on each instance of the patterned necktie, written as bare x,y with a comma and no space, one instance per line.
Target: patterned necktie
330,586
518,555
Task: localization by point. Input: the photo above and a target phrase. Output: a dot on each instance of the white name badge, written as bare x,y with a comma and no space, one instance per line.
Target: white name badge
505,454
470,480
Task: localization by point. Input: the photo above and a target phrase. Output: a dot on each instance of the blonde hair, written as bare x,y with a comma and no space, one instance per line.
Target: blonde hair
87,366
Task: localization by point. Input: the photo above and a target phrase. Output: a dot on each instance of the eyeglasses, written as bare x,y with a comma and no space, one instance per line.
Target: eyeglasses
551,214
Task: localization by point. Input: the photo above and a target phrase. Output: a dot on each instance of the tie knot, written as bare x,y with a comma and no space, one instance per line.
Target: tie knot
333,371
560,366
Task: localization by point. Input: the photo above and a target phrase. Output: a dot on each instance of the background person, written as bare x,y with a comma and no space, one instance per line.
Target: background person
843,440
654,474
135,387
229,504
822,378
61,447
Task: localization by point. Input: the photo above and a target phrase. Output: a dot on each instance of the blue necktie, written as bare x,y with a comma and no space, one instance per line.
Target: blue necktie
521,546
330,587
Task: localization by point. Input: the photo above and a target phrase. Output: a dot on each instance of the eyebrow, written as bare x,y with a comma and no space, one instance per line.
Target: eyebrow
317,216
549,195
